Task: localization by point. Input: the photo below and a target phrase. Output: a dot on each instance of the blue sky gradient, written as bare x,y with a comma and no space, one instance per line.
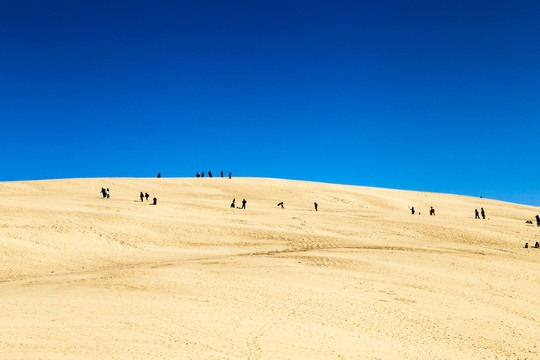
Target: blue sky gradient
419,95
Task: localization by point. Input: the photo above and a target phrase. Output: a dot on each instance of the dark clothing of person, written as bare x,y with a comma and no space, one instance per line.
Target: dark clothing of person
233,204
159,175
412,210
103,192
316,206
155,201
202,174
432,211
244,204
146,196
483,213
198,174
281,204
537,220
476,214
108,194
142,196
526,245
209,174
536,245
230,175
222,174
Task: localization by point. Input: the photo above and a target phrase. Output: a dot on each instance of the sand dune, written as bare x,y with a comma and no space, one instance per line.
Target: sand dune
91,278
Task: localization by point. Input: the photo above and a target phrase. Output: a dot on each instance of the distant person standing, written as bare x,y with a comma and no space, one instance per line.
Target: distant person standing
103,192
210,174
537,220
432,211
221,173
483,213
108,193
244,204
146,196
202,174
412,210
142,196
233,204
155,201
159,175
476,214
230,174
316,206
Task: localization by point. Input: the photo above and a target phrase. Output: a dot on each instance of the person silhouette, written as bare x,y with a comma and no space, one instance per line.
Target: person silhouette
537,220
146,196
230,174
483,213
244,204
476,214
142,196
155,202
412,210
221,173
159,175
316,206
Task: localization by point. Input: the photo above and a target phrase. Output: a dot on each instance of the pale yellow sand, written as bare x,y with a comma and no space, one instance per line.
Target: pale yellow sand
91,278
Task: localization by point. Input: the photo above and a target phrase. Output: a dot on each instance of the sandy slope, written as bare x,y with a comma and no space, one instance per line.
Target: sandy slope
91,278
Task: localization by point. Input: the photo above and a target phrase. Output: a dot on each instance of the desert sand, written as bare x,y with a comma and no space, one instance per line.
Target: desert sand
84,277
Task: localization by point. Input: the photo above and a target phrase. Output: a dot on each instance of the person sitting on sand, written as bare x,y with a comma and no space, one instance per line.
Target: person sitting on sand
142,196
281,204
526,245
431,211
536,245
198,174
155,201
528,222
233,204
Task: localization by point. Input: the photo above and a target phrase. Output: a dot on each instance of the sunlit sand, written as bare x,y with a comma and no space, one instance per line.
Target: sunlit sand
191,278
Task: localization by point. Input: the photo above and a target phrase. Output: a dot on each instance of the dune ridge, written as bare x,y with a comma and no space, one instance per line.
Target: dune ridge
191,278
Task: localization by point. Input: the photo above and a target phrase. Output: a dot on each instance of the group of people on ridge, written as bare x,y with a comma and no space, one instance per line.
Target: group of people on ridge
210,174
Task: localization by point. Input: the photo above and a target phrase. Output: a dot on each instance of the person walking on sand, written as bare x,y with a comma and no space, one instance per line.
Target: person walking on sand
281,204
431,211
202,175
142,196
221,173
146,196
210,174
412,210
103,192
108,193
476,214
230,174
537,220
483,213
233,204
244,204
316,206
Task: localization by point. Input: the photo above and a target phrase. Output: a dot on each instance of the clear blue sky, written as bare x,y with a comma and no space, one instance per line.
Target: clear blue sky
421,95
